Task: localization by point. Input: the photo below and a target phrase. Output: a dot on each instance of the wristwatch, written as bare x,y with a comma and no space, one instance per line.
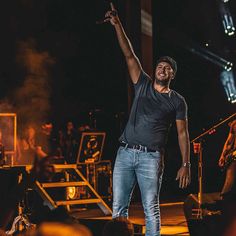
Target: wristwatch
186,164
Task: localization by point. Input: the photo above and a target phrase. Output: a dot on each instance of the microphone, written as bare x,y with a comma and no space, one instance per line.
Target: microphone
105,20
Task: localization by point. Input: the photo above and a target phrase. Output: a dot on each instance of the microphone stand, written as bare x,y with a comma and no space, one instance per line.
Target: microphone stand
197,146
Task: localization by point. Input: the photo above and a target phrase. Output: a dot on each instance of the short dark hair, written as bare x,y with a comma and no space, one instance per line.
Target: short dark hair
118,226
170,61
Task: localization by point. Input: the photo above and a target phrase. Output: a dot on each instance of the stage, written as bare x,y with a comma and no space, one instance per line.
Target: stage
172,219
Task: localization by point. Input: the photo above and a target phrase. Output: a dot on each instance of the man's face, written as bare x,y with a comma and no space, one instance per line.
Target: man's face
164,73
70,126
31,132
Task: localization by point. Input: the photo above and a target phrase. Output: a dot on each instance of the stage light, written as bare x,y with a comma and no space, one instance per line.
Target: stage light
228,82
228,25
228,66
212,57
226,17
72,192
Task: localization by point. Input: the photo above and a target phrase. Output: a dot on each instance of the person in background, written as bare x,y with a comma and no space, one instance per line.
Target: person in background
117,227
58,229
70,143
27,146
227,160
48,143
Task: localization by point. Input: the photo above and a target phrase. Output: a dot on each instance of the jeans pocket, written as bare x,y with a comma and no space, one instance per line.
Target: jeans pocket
158,158
154,154
120,149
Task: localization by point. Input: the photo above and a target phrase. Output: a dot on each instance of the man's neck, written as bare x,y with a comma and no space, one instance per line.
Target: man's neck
160,88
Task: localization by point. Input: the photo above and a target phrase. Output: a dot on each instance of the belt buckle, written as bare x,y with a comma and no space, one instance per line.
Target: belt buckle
138,147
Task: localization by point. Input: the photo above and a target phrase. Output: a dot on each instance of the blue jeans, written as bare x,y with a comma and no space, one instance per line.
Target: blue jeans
145,168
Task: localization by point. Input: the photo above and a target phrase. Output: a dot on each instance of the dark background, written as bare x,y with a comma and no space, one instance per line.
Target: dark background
88,73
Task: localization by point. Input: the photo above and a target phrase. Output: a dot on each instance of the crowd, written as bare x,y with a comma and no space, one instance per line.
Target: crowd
47,141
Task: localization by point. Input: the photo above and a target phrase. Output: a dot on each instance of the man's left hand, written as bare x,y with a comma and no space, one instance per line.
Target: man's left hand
184,176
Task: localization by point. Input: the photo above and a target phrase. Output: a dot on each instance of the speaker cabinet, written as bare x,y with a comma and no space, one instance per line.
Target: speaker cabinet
202,221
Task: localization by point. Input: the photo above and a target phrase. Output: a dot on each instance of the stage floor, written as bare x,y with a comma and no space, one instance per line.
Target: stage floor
172,217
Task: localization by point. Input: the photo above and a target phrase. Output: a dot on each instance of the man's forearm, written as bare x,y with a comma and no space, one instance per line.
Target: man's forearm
184,145
132,61
123,40
228,144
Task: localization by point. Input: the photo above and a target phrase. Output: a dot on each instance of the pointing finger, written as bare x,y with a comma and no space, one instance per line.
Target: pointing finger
112,6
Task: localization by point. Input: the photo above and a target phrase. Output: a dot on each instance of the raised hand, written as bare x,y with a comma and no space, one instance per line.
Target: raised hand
112,15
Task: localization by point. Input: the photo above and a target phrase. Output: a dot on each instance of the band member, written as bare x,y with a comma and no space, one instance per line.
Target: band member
227,160
140,155
70,143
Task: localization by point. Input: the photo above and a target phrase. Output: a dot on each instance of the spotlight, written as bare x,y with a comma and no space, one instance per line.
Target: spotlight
228,82
228,66
72,192
212,57
226,17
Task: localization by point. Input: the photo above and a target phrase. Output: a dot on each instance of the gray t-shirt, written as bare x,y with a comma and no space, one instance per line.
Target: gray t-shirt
152,114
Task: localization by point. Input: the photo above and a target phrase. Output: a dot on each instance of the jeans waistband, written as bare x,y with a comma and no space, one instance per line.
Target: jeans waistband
138,147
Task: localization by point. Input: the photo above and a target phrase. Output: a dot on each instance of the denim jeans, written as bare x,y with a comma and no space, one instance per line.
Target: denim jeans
145,168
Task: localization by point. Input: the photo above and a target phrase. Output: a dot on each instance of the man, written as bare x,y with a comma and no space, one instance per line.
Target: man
70,141
47,143
227,158
140,156
227,161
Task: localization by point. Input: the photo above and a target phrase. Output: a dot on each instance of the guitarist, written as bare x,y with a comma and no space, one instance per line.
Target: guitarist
227,156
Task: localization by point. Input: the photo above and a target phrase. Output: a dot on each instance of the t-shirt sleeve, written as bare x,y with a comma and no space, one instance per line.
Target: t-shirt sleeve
143,78
182,110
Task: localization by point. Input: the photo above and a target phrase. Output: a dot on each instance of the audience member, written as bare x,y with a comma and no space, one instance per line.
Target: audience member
119,226
27,147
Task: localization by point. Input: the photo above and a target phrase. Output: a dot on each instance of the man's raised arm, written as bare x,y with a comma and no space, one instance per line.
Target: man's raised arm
132,60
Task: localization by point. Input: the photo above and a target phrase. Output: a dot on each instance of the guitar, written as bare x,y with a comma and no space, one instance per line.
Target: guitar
229,158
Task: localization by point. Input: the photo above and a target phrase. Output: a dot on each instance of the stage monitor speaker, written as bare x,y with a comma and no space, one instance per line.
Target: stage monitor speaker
91,147
191,205
209,222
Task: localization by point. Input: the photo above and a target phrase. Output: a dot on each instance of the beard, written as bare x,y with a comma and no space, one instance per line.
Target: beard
163,83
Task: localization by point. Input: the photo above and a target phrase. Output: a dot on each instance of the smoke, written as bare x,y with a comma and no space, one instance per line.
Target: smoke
32,100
